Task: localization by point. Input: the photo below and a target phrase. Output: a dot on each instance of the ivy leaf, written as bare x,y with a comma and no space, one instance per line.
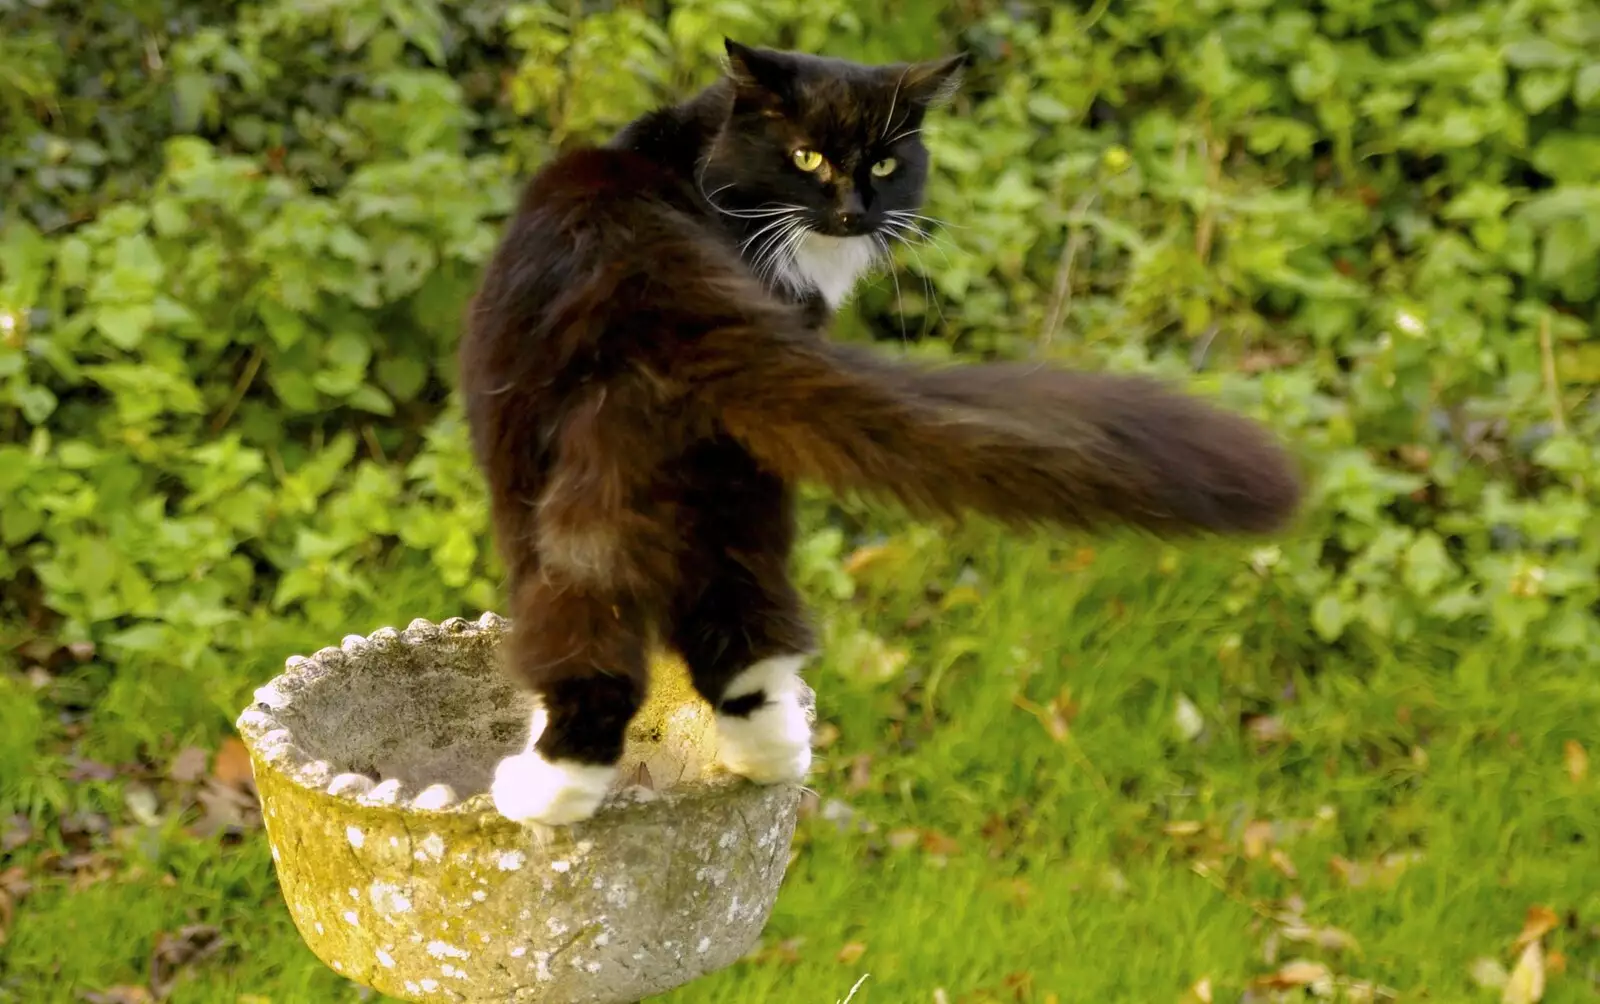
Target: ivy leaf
403,376
348,350
72,263
141,638
1586,86
191,93
284,326
1047,109
125,325
1542,88
369,398
1427,565
37,403
1569,157
1538,54
1330,616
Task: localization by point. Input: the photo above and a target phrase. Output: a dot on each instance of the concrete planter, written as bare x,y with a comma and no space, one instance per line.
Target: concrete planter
397,884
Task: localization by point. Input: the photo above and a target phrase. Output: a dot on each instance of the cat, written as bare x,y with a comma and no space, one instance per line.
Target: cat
646,379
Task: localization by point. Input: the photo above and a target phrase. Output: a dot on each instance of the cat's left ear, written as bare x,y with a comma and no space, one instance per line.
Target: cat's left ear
934,82
755,71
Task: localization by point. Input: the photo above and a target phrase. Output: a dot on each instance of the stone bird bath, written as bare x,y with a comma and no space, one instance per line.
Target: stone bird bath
373,761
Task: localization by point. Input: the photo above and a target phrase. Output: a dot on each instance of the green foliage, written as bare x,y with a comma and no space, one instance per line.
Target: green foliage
238,241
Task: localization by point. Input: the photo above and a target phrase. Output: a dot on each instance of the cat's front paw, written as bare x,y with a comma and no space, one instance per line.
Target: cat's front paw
765,761
528,788
772,745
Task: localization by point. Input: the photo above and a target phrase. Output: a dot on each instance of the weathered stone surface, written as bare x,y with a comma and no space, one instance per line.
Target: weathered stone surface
674,878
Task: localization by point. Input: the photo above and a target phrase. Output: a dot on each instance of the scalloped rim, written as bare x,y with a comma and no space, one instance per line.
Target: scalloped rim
275,747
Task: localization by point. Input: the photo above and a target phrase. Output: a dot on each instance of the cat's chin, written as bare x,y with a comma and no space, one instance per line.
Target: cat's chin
830,266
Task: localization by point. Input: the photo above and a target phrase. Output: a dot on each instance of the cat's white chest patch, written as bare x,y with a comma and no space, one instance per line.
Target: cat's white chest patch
829,265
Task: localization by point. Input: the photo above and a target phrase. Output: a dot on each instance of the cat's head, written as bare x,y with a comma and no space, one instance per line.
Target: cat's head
836,145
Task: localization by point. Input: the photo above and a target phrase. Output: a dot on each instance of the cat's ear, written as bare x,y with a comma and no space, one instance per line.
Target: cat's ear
758,72
934,82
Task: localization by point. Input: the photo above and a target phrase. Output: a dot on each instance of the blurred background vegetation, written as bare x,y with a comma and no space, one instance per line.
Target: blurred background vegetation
237,240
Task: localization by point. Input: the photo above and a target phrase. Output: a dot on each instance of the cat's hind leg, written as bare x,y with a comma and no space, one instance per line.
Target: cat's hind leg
741,627
581,652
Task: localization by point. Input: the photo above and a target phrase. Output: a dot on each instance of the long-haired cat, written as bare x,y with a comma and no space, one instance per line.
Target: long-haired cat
646,380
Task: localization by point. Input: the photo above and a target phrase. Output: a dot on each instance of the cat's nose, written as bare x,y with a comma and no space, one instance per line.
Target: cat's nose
849,212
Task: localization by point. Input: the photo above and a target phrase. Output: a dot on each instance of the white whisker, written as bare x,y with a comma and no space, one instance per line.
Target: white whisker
759,233
894,276
932,220
770,256
888,119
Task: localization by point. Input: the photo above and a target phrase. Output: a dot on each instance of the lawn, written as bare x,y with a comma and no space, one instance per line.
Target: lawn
1051,771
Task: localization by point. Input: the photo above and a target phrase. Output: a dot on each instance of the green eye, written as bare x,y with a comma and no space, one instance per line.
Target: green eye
884,167
807,160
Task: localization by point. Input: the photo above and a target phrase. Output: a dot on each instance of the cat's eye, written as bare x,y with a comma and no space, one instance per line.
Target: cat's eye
884,167
807,160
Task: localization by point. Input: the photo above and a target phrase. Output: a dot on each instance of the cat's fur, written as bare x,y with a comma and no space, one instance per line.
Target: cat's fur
642,397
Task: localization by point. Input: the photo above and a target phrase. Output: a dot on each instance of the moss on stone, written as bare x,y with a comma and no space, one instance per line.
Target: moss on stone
460,904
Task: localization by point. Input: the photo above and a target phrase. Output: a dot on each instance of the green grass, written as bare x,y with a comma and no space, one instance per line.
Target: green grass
1101,862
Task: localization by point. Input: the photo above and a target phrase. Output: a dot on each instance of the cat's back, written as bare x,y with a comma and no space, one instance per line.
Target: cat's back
586,226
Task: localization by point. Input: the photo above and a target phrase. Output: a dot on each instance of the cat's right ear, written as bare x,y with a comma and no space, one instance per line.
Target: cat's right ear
758,73
935,82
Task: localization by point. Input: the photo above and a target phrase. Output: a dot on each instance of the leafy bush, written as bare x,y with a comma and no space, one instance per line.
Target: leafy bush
238,239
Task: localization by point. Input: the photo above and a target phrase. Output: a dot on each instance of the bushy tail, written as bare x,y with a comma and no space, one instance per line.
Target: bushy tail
1024,444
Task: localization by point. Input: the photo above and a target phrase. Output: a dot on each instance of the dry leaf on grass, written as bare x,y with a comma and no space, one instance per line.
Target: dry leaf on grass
1488,973
1299,973
1267,730
904,839
1257,838
82,770
232,765
852,952
1577,759
1381,873
1080,560
14,832
1187,717
119,995
785,952
189,765
860,774
1020,984
1200,993
1362,992
1540,921
1526,985
142,804
1283,863
175,951
1056,717
864,558
937,845
227,809
1330,938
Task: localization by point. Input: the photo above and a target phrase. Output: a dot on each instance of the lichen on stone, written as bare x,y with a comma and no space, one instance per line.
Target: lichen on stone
452,902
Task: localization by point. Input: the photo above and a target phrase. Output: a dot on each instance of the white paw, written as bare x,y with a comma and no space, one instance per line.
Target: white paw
771,745
749,748
530,789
